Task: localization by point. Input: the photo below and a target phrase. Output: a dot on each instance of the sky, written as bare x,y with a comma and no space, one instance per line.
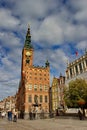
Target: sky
58,29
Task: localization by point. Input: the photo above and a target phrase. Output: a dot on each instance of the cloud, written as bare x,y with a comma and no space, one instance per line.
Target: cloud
80,9
49,31
7,20
82,45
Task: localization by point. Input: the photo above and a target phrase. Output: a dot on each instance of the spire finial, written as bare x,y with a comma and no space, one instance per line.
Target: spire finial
28,39
28,25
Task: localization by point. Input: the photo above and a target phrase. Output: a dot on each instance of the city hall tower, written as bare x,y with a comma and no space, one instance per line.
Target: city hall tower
33,92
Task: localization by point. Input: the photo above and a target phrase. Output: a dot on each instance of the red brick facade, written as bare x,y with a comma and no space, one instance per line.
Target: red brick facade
35,83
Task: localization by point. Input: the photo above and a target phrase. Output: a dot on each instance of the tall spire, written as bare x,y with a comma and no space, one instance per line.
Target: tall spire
27,44
47,64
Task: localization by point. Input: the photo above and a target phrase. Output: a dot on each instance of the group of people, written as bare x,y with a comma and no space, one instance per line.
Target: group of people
37,113
32,114
12,116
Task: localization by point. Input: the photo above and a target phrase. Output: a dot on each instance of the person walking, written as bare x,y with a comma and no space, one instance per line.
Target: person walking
10,115
30,115
80,114
15,116
3,114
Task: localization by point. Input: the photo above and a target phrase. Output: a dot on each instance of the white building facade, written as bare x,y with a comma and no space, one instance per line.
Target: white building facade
77,69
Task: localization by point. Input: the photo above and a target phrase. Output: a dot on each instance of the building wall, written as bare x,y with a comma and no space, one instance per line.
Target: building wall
8,103
77,69
58,85
55,99
35,83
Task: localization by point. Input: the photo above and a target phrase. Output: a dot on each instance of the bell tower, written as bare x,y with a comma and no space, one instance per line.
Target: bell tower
27,53
33,92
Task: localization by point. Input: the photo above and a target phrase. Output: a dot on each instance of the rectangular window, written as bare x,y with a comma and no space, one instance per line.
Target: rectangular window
35,73
45,87
45,98
35,87
71,72
76,68
83,65
41,99
40,87
30,98
30,87
80,67
86,62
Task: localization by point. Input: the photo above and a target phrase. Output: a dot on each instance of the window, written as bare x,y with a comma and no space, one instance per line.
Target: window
30,87
83,65
35,73
30,98
36,99
45,87
30,73
35,87
76,69
45,98
41,99
27,61
40,74
40,87
71,72
80,67
86,62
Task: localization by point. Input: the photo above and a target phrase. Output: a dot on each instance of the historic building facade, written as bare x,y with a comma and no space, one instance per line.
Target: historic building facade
33,92
8,103
77,69
57,90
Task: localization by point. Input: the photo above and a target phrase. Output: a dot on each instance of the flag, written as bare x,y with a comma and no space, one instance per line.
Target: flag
76,53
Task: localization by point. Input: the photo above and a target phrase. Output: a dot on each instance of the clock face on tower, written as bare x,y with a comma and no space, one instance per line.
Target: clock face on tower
28,53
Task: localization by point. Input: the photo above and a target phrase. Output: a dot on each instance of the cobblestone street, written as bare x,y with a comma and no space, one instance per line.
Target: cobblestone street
45,124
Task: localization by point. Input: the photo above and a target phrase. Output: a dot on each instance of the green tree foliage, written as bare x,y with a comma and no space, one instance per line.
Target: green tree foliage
76,94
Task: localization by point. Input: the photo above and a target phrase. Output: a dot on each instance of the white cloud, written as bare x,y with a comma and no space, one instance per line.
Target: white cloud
81,9
82,45
49,31
7,21
9,39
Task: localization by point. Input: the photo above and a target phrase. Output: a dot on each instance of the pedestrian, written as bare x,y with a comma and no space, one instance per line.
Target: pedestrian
80,114
15,116
34,114
10,115
3,114
30,115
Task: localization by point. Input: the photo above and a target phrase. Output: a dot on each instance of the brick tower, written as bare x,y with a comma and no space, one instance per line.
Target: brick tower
33,92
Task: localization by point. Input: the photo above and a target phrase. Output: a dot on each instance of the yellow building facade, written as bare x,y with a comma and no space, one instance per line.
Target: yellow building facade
57,90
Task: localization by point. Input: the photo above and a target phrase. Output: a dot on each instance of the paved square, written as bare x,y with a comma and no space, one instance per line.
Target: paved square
44,124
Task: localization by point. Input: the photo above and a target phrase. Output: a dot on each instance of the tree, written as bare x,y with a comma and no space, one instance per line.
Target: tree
76,94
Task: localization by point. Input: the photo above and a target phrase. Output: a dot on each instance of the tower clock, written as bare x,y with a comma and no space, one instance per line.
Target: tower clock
28,55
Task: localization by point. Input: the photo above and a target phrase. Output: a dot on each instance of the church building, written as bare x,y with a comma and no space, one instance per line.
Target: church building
33,91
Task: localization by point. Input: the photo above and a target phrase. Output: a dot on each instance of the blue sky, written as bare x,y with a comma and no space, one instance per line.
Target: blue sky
58,30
